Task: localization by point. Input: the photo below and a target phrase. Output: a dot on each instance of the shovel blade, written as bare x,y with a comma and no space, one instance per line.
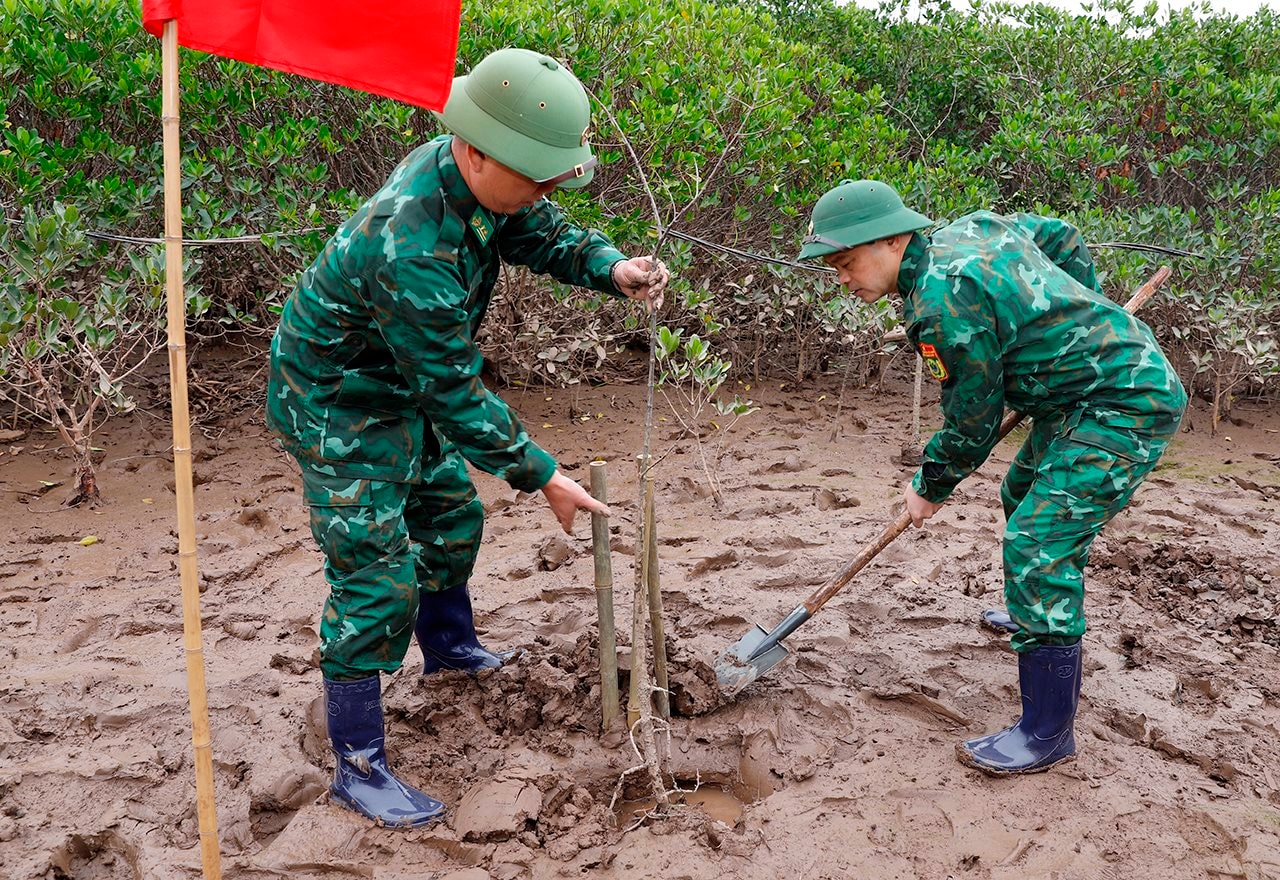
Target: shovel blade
735,669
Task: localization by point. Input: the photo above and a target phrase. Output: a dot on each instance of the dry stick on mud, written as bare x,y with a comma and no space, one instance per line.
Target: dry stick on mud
639,712
877,344
912,448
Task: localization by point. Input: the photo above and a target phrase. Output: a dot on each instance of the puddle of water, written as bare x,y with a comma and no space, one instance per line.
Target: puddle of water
714,800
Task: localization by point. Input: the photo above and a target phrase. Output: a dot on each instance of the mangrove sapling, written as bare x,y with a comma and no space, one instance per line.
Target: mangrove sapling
639,708
639,712
68,345
691,369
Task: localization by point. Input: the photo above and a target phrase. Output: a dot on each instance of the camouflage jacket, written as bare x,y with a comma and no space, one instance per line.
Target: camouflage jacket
1007,311
375,361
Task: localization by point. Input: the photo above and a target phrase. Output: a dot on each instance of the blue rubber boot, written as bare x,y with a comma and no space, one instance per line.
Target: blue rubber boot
1000,621
362,780
1049,678
446,633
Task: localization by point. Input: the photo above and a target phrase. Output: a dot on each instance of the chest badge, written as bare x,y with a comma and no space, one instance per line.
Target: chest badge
480,226
933,362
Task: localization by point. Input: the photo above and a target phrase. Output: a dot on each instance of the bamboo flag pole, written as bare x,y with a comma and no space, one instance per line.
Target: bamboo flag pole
206,808
604,602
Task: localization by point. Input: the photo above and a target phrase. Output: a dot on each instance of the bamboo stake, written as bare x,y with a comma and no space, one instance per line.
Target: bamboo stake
609,708
639,705
639,655
206,807
915,405
656,625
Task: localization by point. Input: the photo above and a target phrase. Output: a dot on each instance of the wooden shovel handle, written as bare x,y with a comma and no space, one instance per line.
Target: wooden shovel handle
855,565
900,525
1148,289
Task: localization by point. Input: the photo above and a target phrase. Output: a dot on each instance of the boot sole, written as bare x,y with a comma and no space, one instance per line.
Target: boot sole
507,657
968,760
998,630
382,823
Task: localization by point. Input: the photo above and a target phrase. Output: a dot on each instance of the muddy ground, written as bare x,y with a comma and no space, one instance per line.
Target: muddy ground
839,763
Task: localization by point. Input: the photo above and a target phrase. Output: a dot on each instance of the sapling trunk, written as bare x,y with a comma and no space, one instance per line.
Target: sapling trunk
76,438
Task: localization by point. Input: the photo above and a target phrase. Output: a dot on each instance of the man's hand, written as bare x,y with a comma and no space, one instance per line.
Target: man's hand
918,508
566,498
642,278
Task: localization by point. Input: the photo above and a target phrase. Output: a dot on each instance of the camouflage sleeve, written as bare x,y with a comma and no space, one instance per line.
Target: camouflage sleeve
421,310
1062,243
542,239
961,349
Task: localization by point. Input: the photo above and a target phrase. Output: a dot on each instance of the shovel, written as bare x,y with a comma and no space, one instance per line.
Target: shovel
758,651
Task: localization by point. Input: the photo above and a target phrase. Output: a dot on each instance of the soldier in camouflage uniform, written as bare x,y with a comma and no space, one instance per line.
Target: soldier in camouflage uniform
375,388
1007,311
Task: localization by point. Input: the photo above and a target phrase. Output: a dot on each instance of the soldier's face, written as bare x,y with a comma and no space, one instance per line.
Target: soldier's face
502,190
868,271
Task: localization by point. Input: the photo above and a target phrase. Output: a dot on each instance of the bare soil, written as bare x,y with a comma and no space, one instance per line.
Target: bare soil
838,763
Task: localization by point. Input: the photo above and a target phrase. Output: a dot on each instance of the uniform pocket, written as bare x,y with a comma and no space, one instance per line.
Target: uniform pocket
356,522
371,423
323,490
333,504
1131,437
358,390
1032,387
1083,485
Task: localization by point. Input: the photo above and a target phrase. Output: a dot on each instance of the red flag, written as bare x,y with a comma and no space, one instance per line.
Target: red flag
403,49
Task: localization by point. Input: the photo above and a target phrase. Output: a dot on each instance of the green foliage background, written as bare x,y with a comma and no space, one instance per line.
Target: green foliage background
1136,126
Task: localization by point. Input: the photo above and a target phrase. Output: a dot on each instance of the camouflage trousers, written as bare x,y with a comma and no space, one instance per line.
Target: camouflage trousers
382,542
1058,494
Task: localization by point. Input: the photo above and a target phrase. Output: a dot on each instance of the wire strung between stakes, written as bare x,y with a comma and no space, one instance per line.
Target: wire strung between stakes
189,242
663,233
821,268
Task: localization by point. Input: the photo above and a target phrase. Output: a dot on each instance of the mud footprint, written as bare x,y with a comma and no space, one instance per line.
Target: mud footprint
105,854
773,561
718,562
1201,694
254,518
776,542
790,465
82,635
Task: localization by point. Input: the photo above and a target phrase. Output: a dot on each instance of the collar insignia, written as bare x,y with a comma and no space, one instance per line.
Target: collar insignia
480,226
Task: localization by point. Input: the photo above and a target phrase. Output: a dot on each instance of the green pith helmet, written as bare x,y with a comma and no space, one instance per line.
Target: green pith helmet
854,213
528,112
